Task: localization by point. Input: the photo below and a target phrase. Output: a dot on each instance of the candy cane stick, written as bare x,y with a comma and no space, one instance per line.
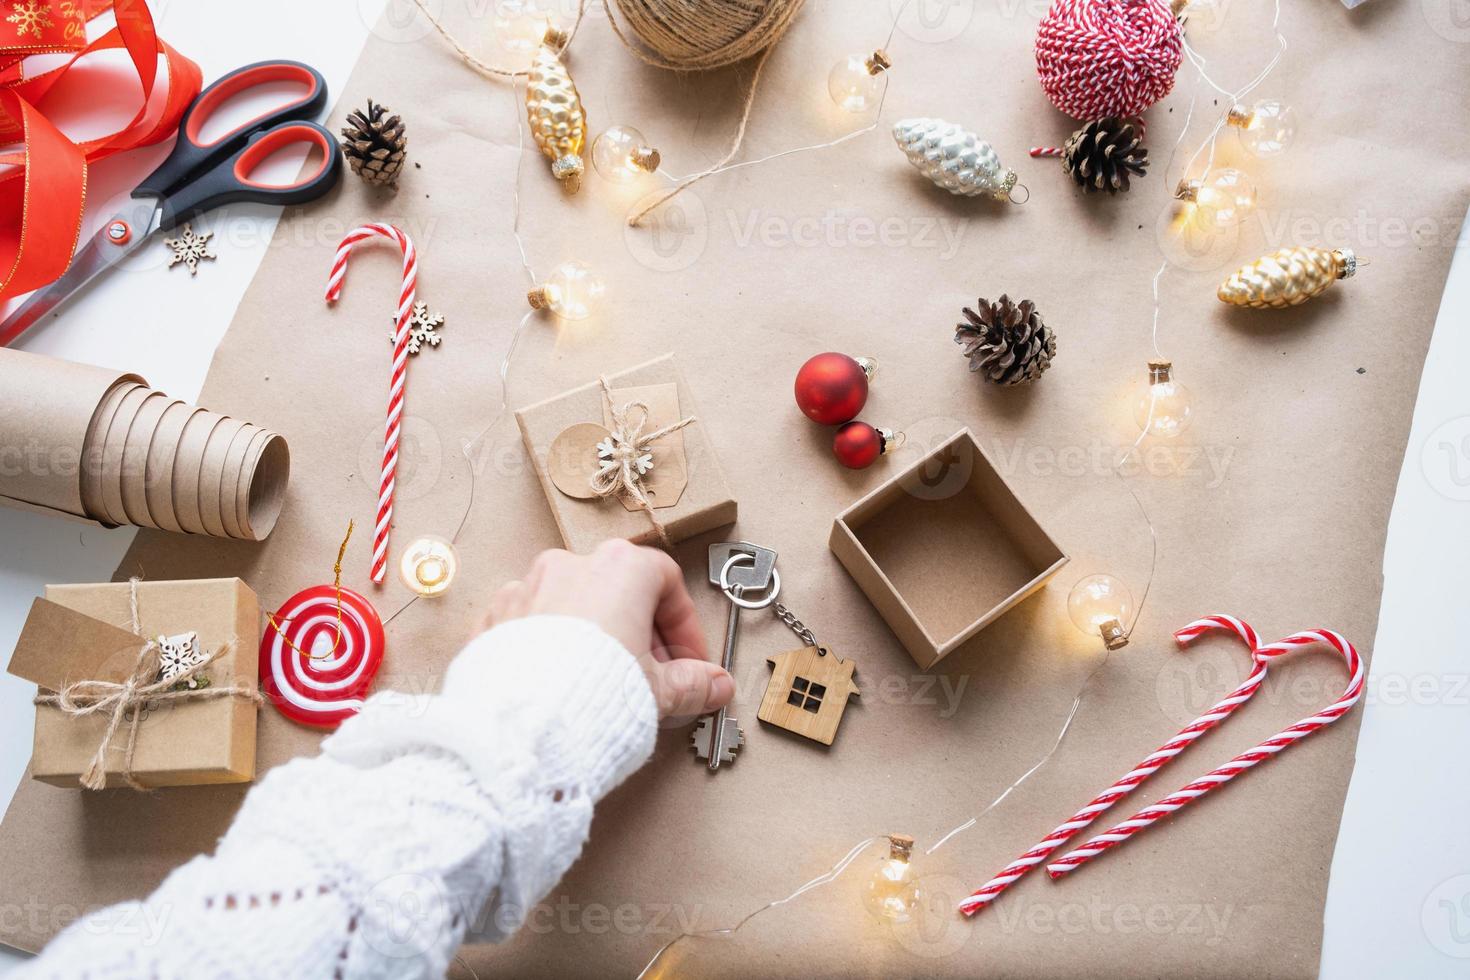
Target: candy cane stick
1219,777
1130,781
400,369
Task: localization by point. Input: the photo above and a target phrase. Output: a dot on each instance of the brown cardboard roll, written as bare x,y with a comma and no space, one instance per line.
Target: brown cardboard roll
266,483
99,446
212,472
112,453
135,458
229,492
91,477
188,464
46,407
158,473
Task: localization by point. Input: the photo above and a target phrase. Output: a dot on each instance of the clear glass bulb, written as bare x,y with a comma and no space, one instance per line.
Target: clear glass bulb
1266,128
518,28
852,85
428,566
892,890
1224,197
1163,407
1100,605
571,291
622,155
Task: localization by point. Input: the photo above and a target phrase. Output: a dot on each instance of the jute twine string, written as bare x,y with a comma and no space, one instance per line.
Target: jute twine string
124,702
484,67
680,35
629,442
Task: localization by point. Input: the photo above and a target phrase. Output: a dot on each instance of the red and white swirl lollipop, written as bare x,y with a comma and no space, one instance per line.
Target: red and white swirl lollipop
312,673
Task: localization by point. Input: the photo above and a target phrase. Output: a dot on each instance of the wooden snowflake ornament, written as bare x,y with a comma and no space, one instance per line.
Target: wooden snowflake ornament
189,249
179,654
610,453
423,328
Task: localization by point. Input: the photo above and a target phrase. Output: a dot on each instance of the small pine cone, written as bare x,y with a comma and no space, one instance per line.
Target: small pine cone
1102,154
374,144
1007,341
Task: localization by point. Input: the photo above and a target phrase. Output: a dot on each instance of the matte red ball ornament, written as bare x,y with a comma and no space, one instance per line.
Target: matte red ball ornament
832,388
858,445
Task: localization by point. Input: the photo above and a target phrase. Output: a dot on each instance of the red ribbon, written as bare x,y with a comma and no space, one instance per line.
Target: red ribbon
44,187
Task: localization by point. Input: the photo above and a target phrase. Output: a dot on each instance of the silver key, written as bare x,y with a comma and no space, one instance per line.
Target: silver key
735,567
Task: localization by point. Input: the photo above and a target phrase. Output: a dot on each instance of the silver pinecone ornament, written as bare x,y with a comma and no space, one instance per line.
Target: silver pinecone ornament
954,158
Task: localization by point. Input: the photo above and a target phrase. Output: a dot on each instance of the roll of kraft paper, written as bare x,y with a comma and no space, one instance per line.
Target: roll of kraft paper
102,446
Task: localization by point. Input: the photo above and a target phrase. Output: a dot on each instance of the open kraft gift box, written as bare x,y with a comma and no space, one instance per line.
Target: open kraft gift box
944,548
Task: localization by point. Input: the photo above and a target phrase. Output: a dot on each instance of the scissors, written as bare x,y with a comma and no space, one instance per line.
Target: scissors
199,176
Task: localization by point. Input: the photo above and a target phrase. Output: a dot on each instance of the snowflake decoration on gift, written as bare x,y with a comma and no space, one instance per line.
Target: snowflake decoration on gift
178,654
423,328
189,248
29,17
608,451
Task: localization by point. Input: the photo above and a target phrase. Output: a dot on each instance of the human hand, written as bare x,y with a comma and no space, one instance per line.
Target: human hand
637,596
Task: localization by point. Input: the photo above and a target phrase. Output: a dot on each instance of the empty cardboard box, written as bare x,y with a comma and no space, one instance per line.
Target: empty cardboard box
944,548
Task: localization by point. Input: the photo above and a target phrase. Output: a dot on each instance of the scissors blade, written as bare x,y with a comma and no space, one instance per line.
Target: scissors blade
100,253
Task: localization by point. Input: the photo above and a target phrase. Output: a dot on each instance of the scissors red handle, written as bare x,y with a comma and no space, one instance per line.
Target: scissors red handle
192,156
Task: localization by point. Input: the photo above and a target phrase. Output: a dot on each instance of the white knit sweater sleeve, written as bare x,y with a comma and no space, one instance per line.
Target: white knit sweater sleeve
423,821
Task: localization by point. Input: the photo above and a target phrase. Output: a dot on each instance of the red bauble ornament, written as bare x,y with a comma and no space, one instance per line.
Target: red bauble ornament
832,388
857,444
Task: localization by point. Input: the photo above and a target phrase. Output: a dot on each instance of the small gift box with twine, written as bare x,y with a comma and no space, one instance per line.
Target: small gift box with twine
143,684
625,456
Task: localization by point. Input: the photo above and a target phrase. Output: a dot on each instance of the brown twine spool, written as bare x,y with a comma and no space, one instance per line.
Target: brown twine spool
700,35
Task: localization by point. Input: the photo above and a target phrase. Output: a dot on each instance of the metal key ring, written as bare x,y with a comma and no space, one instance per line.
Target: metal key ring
772,590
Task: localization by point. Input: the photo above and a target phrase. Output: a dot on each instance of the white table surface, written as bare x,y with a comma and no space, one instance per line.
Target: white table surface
1399,899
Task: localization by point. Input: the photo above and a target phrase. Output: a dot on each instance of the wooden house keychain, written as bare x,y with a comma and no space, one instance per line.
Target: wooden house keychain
809,687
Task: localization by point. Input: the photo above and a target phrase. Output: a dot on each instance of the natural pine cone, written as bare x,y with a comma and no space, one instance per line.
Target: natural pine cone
1102,154
374,144
1007,341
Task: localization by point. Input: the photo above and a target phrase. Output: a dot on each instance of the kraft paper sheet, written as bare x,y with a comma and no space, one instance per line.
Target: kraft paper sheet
1272,506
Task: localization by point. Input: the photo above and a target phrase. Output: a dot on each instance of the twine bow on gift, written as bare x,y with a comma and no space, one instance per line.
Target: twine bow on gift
125,701
627,458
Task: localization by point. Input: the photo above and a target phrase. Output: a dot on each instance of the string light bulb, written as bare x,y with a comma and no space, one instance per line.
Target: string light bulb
892,891
518,28
572,291
428,566
1099,605
1266,128
1221,198
1163,408
621,154
853,82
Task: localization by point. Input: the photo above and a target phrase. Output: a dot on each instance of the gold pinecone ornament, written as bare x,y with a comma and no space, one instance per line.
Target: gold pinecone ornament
375,144
554,110
1287,277
1101,155
1007,342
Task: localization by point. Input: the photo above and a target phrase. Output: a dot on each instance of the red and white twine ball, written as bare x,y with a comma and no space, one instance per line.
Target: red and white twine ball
1099,58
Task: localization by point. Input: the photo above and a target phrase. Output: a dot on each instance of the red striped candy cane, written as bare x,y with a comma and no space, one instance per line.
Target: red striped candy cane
1130,781
1246,760
400,370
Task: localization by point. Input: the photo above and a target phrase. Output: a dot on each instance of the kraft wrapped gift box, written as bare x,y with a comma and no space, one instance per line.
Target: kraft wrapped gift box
182,743
684,463
944,548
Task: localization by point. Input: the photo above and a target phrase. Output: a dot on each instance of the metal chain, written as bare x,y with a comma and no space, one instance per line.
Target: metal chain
797,626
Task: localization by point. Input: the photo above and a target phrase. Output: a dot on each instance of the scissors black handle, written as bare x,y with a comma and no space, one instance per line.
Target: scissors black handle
192,155
230,181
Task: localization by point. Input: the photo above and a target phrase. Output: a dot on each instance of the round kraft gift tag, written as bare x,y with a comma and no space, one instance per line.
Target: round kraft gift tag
572,459
312,672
